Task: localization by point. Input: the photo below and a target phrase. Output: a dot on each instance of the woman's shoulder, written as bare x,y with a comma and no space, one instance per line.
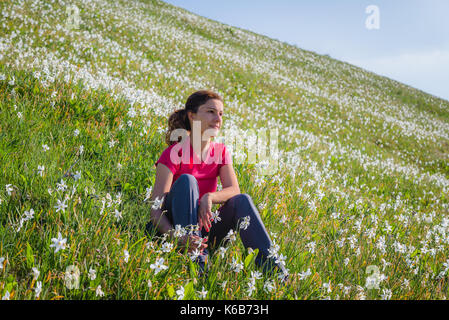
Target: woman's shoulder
168,148
171,146
167,159
167,152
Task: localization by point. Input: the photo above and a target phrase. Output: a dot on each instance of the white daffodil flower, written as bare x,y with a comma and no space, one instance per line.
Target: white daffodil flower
157,203
202,294
58,243
99,292
36,273
38,289
158,266
60,205
92,274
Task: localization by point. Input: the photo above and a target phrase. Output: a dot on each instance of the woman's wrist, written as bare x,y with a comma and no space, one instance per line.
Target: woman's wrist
211,196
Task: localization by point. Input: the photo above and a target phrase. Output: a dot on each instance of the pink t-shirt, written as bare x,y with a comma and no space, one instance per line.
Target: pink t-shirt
205,172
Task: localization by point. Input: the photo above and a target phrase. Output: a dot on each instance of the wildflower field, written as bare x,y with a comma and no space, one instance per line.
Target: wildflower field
357,209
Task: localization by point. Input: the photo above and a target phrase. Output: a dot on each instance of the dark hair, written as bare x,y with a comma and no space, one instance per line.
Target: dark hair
179,118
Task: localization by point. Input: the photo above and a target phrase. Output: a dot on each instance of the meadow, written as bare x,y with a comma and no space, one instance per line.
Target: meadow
358,205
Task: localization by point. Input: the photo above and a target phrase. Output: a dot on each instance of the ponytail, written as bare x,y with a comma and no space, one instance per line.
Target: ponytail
177,120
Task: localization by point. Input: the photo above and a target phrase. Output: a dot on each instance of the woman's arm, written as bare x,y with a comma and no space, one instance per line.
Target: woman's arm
229,183
162,183
231,188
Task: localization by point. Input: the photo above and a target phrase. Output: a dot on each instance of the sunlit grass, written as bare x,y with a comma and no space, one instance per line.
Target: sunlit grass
362,181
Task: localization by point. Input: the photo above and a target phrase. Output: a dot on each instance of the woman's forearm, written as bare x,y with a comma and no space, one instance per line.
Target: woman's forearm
159,220
224,195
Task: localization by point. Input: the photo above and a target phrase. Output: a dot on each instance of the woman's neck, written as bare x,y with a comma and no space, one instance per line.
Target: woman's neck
199,146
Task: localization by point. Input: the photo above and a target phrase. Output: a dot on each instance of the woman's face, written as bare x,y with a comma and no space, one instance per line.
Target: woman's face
209,116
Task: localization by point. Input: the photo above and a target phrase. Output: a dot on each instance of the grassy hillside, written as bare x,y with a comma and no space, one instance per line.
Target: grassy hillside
362,185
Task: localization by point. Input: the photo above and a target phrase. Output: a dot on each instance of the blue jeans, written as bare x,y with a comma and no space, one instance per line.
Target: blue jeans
182,203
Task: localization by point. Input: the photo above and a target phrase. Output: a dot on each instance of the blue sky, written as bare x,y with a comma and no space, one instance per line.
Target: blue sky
411,44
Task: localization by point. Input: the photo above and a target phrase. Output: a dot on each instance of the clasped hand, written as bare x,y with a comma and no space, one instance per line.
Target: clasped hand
205,212
193,242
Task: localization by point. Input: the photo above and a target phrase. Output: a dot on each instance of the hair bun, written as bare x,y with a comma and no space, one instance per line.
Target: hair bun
182,113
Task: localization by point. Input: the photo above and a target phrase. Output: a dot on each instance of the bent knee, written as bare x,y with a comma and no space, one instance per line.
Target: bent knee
187,178
241,198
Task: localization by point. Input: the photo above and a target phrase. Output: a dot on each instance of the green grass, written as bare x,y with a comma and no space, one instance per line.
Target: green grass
364,158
